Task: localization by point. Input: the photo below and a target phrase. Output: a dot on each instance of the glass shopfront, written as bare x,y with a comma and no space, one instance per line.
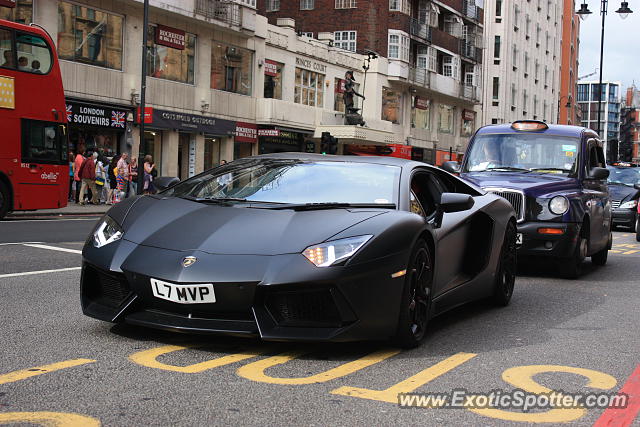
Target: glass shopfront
231,68
391,105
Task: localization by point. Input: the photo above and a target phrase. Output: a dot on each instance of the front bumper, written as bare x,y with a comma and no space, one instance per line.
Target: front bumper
624,217
277,298
535,244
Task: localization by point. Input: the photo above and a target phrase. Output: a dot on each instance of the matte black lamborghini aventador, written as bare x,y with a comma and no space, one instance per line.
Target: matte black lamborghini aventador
302,247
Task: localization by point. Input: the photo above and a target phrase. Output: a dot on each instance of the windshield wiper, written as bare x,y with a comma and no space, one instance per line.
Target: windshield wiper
506,168
213,199
332,205
550,169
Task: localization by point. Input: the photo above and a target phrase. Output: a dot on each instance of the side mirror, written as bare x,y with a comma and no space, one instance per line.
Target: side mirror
451,166
636,186
599,173
452,202
163,182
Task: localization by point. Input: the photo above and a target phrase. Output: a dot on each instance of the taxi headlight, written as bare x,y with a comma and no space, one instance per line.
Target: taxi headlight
330,253
631,204
108,231
559,205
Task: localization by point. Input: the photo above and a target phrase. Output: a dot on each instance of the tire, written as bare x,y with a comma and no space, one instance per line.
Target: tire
637,228
5,200
572,267
600,258
506,273
415,305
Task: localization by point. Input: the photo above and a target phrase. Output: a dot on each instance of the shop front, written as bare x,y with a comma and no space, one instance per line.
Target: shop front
282,140
390,150
97,127
246,138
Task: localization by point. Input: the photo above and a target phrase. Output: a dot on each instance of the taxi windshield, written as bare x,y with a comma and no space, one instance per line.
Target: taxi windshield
522,152
625,176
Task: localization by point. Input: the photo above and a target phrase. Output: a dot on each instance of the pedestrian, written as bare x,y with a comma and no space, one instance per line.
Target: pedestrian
77,163
113,183
149,168
71,180
123,172
223,162
133,177
88,175
101,178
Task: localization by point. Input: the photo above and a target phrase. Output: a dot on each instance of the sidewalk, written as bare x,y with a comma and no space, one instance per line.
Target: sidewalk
72,209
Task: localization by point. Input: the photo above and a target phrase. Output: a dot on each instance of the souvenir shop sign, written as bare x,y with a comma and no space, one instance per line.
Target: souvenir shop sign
93,115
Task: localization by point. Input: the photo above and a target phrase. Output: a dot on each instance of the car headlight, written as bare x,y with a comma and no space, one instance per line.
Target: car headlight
108,231
631,204
330,253
559,205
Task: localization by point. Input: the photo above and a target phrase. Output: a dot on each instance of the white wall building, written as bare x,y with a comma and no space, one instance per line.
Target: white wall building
522,60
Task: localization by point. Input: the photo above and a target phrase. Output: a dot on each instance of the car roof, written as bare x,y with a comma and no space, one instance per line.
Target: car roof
560,130
379,160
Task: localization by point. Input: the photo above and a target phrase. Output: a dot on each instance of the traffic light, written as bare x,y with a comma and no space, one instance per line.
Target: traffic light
328,143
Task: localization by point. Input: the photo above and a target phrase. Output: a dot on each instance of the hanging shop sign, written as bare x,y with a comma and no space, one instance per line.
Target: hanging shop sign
468,115
340,86
421,103
246,132
268,132
270,68
170,37
92,115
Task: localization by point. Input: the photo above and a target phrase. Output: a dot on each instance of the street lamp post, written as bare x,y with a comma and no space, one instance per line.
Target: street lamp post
143,91
584,12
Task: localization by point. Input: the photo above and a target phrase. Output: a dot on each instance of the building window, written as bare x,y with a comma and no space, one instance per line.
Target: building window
345,40
403,6
526,64
272,79
451,66
514,94
453,25
170,63
496,88
391,105
338,99
527,26
525,99
515,56
231,68
89,36
496,47
346,4
516,17
445,118
273,5
307,4
536,71
420,109
583,92
307,34
22,13
309,88
398,45
498,7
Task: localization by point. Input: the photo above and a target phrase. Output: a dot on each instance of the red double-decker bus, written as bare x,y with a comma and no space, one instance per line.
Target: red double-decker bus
34,170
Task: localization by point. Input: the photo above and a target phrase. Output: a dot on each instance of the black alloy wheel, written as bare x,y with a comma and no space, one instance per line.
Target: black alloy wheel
637,228
572,267
415,306
506,273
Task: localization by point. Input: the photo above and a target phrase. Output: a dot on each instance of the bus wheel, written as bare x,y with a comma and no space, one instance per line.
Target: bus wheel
4,200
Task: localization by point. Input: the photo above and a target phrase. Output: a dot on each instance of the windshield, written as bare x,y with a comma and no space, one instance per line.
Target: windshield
539,153
626,176
294,181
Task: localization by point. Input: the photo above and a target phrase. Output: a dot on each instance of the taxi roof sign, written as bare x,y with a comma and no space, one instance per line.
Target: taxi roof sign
529,125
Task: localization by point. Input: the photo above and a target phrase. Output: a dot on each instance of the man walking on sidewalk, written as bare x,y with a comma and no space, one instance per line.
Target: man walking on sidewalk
123,171
88,175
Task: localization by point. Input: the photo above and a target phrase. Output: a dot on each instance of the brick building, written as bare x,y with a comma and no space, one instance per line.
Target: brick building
630,126
433,51
569,47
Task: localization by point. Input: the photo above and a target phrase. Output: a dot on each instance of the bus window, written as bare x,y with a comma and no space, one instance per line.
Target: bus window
33,54
43,142
6,49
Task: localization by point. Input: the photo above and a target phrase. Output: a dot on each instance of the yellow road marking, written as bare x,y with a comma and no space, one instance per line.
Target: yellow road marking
39,370
149,358
255,371
49,419
410,384
522,377
630,252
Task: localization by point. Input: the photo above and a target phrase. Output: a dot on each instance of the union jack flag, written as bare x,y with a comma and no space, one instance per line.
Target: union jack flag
69,113
117,119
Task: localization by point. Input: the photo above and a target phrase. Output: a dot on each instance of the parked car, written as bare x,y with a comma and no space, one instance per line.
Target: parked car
624,184
555,178
302,247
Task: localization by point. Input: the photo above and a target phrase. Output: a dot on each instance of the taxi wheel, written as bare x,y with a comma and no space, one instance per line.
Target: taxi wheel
4,200
600,258
573,267
637,228
506,274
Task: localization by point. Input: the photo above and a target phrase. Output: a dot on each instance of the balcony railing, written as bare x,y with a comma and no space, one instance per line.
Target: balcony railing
470,93
468,49
420,77
222,10
420,30
470,10
446,40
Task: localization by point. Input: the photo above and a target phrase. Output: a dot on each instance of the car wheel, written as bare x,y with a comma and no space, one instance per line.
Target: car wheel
4,200
600,258
506,274
637,228
572,268
415,306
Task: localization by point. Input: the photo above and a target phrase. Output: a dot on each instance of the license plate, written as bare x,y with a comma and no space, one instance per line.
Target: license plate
200,293
518,238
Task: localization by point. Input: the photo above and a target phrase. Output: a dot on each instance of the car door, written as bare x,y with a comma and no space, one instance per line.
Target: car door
597,198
